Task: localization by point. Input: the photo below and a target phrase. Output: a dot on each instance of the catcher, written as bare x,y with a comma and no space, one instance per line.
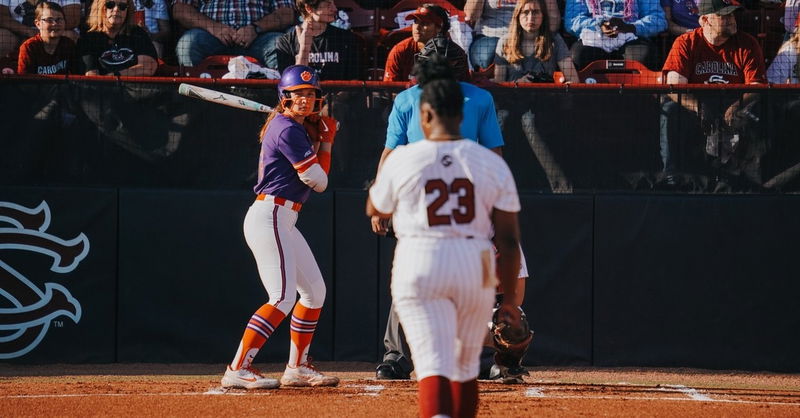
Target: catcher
479,124
511,344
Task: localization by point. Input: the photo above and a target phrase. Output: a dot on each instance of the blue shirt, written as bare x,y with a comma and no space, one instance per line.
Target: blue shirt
479,124
646,15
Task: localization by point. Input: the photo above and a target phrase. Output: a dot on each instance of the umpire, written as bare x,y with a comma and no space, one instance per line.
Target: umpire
480,124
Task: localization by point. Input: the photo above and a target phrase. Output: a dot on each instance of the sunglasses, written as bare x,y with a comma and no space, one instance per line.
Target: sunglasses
111,4
52,20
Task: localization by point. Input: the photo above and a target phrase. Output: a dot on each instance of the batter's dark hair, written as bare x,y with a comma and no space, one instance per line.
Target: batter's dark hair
439,86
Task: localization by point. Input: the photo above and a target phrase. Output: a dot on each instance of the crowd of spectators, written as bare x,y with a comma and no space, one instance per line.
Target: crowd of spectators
512,42
522,41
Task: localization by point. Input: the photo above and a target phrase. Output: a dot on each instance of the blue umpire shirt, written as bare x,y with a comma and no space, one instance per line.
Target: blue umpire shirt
480,118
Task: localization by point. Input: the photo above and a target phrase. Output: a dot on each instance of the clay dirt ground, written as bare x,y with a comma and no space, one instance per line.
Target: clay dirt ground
194,390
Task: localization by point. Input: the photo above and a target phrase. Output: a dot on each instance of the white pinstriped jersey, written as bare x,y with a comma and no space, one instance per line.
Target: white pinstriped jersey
444,189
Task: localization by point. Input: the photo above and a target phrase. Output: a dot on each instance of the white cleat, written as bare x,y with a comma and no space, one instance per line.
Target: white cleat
247,378
306,375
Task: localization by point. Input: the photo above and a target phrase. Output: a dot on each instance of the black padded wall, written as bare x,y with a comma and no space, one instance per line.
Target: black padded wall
696,281
58,276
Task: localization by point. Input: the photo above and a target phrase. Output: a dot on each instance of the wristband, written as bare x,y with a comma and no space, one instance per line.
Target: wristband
256,27
324,160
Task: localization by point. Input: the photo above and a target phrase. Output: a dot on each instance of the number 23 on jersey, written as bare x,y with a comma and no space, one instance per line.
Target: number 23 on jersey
462,190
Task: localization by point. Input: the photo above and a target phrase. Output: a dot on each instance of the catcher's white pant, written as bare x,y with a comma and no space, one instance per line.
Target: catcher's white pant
444,295
285,262
523,266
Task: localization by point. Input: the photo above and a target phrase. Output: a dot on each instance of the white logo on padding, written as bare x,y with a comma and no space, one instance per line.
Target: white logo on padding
25,323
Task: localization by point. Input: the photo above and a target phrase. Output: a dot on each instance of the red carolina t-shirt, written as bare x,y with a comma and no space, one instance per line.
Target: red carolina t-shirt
401,60
33,59
738,60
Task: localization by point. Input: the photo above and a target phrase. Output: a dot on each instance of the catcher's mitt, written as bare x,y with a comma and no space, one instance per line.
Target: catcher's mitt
507,338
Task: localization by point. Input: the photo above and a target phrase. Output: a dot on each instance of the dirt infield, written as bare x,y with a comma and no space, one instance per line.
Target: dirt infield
194,390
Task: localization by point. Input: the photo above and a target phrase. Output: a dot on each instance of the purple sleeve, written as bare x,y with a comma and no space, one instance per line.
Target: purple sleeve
293,143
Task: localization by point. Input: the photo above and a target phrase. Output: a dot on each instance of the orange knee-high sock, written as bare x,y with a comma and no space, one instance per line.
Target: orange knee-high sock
435,397
261,325
304,323
465,398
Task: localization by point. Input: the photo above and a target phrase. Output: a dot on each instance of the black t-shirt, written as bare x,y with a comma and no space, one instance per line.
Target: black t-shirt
335,53
99,52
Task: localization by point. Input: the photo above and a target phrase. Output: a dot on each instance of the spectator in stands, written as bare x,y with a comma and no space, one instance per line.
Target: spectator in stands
217,27
333,52
431,25
491,19
784,67
156,22
115,45
714,53
17,21
529,52
790,14
614,29
681,16
48,52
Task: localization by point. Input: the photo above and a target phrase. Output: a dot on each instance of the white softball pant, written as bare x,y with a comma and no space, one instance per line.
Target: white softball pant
443,298
284,260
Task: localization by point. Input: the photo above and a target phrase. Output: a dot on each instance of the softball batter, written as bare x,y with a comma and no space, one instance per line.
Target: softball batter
291,164
445,194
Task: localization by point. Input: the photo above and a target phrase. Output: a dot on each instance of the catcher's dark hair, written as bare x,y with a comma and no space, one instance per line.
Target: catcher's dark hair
439,86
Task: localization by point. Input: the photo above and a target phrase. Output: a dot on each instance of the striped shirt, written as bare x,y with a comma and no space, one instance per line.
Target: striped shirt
237,13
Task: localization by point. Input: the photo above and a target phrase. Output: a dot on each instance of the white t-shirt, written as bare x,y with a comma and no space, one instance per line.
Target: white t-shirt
23,11
444,189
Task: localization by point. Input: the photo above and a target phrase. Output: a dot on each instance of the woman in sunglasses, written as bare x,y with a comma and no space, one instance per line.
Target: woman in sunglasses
115,45
49,51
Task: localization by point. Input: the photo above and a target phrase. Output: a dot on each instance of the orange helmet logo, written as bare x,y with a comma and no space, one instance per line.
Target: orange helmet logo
305,76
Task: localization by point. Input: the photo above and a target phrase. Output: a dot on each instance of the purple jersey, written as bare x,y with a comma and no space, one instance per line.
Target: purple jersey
284,148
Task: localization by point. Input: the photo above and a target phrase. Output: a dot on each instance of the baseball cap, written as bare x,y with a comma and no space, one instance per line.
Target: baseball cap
427,15
719,7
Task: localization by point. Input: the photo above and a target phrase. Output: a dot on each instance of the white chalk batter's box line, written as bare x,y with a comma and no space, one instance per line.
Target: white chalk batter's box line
693,395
